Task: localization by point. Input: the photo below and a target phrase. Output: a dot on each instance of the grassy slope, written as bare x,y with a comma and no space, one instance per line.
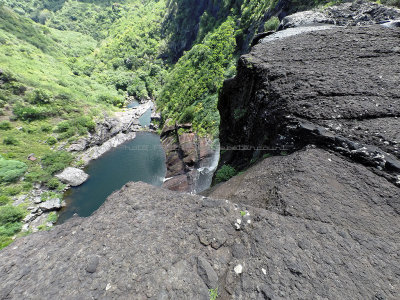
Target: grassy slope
34,57
38,56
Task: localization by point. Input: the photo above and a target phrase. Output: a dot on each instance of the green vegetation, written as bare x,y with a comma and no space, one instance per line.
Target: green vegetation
225,173
56,161
4,200
52,217
266,155
5,125
11,170
213,294
189,94
129,58
10,223
10,140
10,214
88,18
272,24
53,183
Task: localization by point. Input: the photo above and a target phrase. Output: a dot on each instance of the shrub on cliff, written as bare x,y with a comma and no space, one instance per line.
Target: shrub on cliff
10,229
10,223
53,183
5,241
51,140
272,24
56,161
40,96
10,140
117,101
31,112
4,200
225,173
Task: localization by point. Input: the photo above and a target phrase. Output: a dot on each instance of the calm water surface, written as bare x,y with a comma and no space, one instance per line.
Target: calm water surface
141,159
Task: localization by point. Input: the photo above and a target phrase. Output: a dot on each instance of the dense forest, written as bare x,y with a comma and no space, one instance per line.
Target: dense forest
63,63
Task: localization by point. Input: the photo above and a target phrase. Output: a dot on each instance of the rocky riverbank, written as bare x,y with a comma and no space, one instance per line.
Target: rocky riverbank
109,133
318,222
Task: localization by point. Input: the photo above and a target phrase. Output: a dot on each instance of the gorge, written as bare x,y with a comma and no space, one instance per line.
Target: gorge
313,211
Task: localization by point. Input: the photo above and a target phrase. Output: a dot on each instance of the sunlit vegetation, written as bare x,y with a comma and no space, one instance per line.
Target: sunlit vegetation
42,102
189,94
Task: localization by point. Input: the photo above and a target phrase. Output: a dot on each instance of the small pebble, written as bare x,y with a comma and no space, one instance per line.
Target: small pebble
264,271
238,269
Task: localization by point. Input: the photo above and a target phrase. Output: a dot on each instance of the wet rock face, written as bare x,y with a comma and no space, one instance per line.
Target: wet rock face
336,88
185,153
110,133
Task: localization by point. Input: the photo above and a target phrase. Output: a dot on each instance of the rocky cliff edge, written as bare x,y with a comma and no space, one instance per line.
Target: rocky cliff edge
319,223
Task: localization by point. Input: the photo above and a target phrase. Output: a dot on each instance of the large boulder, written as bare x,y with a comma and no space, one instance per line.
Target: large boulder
72,176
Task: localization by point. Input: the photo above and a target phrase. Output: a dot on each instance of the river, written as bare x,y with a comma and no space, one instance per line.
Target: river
141,159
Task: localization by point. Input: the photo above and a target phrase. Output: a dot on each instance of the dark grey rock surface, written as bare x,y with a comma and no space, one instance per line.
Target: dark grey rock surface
336,88
310,225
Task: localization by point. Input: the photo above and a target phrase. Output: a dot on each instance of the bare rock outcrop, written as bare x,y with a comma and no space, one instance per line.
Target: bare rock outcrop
335,88
185,153
72,176
350,13
310,225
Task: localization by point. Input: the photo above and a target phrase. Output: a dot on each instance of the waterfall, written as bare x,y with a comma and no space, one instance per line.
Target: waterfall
204,174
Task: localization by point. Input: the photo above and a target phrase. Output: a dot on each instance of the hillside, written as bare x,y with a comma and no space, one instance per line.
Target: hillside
43,104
